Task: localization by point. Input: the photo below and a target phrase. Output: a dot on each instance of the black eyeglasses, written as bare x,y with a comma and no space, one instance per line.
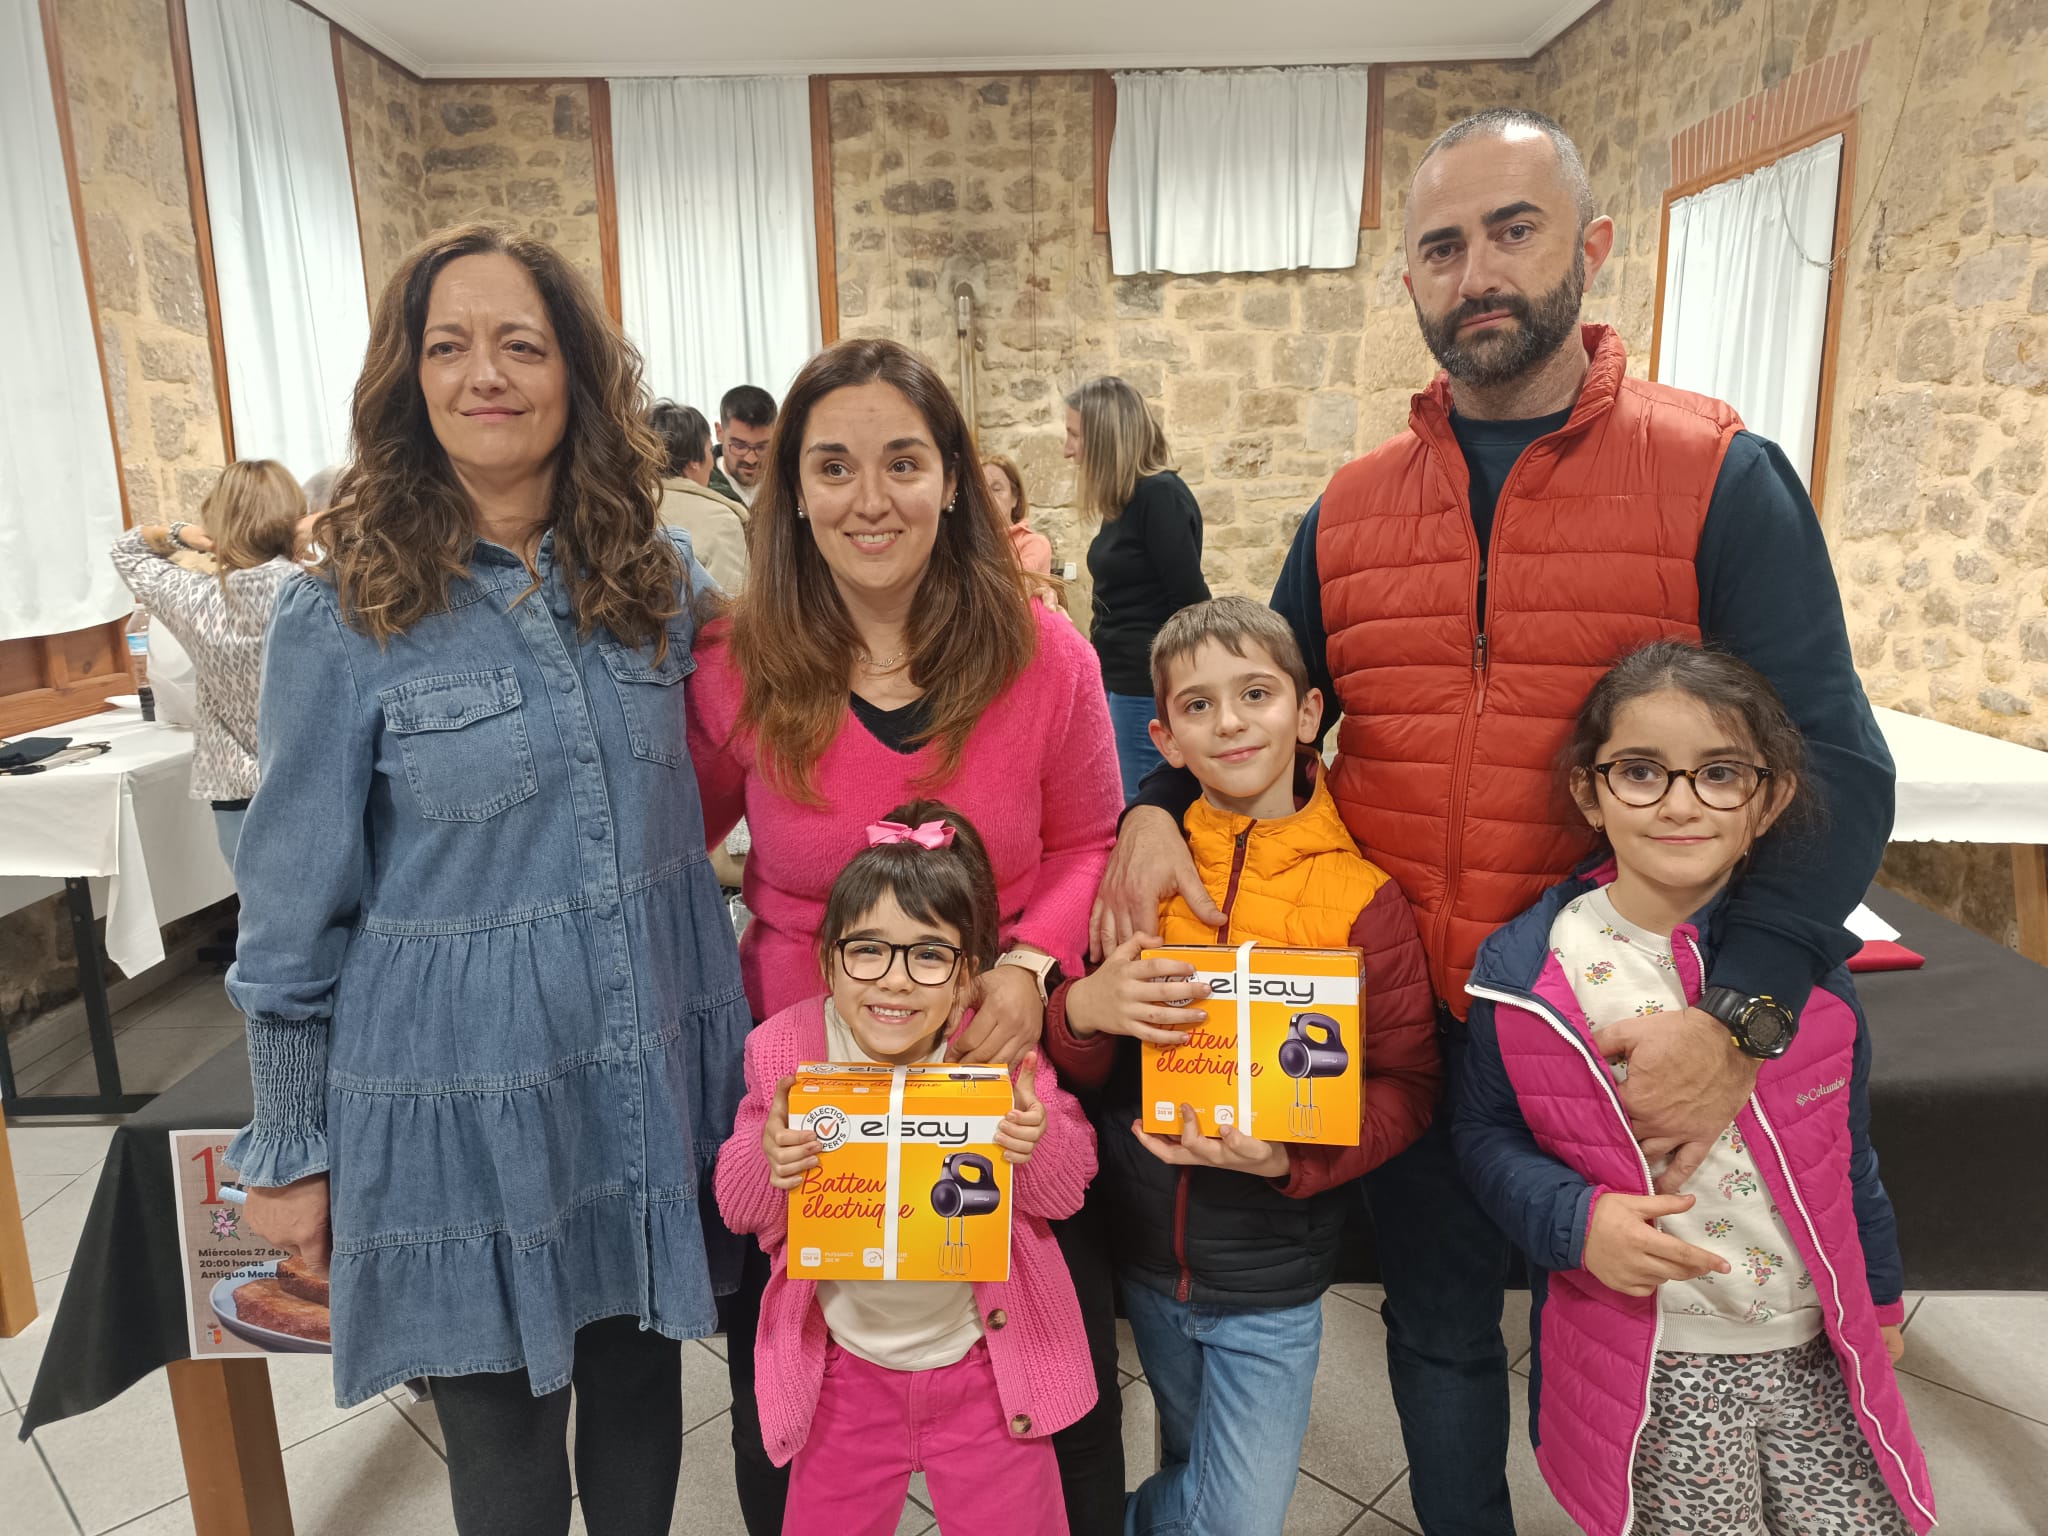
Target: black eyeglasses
1642,782
929,964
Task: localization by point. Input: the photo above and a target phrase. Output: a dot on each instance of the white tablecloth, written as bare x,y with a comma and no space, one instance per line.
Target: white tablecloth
128,820
1956,786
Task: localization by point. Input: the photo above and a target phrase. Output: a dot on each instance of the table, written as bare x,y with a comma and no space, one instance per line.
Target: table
123,1315
1957,786
123,825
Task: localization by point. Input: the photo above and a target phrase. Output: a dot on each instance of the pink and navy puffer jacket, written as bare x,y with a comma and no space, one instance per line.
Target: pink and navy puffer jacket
1541,1133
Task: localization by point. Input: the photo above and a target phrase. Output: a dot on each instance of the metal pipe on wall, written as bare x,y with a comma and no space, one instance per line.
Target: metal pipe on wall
963,320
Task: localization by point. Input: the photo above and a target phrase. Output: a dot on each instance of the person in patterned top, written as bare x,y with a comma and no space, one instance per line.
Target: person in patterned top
213,584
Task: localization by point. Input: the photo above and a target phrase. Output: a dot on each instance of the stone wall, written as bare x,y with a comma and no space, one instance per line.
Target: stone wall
1265,384
123,102
385,105
515,152
430,153
1933,491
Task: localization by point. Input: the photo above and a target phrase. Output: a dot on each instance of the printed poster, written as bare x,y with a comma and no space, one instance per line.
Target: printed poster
242,1296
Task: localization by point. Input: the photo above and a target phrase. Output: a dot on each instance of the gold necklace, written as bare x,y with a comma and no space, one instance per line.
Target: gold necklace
876,668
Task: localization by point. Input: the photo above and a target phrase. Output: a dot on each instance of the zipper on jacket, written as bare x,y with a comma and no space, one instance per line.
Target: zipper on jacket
1236,870
1185,1287
1835,1286
1599,1070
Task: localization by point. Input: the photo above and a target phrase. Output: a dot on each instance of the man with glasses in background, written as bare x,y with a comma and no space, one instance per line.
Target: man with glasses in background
746,420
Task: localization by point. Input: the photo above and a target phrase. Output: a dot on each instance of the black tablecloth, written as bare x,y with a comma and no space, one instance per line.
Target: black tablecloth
1959,1085
123,1312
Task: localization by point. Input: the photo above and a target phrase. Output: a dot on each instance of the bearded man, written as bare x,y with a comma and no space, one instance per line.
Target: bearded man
1458,589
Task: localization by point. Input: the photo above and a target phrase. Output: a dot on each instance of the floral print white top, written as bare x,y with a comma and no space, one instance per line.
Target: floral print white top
1620,971
223,632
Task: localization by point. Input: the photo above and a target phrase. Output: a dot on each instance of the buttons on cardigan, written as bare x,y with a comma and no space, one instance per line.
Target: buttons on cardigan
561,606
618,981
1020,1424
585,753
567,685
997,1319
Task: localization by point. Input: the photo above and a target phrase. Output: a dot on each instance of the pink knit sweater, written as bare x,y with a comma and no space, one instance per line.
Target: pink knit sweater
1038,779
1031,1321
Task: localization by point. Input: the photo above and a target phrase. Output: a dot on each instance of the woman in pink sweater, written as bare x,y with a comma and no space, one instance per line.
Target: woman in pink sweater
886,647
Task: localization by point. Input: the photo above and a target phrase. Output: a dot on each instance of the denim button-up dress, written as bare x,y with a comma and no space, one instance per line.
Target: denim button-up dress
491,986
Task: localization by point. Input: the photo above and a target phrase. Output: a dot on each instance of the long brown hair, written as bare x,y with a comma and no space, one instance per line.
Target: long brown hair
402,525
1121,443
252,515
971,631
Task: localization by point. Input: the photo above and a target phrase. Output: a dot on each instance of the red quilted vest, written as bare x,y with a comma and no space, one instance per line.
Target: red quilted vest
1446,771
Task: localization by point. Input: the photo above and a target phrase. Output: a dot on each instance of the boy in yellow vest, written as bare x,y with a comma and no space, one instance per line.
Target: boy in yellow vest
1224,1246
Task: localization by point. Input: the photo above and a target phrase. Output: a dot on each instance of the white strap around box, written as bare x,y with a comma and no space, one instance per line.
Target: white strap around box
892,1180
1244,1037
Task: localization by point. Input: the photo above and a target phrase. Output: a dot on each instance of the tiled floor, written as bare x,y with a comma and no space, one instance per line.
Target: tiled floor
1976,1383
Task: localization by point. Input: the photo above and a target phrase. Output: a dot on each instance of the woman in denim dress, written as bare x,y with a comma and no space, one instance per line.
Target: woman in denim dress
495,1013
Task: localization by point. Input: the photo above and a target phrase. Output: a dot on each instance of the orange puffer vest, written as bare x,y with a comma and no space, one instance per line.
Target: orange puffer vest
1450,738
1293,880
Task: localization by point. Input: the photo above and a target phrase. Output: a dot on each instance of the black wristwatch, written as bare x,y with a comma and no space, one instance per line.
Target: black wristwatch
1761,1026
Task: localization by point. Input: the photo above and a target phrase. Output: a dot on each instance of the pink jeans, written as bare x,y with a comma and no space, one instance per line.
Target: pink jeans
874,1427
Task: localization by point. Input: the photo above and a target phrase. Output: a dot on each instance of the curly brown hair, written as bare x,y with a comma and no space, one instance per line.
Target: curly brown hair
971,631
402,525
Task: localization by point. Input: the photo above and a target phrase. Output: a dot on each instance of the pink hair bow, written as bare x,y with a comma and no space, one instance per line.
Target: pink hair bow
930,834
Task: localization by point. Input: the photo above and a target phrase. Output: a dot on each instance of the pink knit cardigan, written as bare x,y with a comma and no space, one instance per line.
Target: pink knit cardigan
1038,779
1031,1321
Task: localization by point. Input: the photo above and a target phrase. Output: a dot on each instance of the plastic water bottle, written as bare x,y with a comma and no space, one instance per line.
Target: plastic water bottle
138,660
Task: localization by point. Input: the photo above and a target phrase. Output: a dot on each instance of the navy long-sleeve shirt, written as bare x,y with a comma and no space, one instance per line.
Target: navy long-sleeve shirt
1767,593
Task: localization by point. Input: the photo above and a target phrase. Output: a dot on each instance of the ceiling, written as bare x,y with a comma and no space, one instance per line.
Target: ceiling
663,37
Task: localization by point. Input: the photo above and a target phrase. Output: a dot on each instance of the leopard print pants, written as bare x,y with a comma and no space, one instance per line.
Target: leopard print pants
1757,1445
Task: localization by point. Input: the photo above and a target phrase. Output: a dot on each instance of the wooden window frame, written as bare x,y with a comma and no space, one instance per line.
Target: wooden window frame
1843,127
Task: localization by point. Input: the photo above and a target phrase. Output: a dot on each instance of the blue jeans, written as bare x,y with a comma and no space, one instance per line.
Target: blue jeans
1445,1264
227,827
1130,715
1232,1388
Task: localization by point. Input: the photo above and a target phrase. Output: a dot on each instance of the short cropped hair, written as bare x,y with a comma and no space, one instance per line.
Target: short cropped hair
1233,623
1498,122
748,403
685,435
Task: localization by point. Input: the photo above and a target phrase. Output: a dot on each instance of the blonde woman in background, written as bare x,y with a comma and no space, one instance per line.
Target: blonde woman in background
218,608
1146,559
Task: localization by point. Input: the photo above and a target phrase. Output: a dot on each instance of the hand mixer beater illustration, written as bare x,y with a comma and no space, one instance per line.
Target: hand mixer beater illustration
1314,1048
966,1187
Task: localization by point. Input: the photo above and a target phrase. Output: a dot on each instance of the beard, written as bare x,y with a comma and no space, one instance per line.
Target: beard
1542,325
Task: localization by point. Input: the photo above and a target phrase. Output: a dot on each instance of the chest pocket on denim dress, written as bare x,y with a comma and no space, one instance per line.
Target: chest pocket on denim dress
463,739
648,695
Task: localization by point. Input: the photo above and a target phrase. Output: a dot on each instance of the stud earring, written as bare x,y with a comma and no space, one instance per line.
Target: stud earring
800,512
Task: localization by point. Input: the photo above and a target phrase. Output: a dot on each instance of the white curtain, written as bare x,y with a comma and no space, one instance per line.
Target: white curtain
1746,295
286,253
718,249
60,504
1254,170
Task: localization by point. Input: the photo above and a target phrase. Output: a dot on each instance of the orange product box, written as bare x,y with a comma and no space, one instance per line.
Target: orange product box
911,1185
1282,1054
